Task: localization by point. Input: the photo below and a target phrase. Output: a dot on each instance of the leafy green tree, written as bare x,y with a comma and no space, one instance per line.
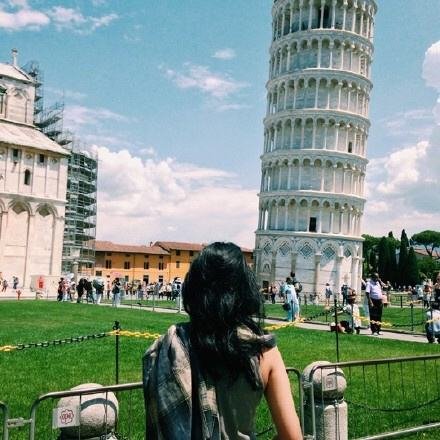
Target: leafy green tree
412,268
403,257
393,272
430,240
383,262
428,268
373,262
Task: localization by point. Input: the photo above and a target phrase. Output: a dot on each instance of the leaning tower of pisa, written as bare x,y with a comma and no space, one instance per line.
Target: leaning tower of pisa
311,199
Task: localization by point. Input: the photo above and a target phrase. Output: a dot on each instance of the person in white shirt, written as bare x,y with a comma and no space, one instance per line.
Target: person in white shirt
433,323
373,291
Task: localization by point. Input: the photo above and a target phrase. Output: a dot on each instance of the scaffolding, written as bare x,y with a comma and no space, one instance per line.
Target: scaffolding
82,174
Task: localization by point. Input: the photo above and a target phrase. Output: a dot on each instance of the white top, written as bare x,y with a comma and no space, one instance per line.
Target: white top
291,295
374,289
434,326
353,308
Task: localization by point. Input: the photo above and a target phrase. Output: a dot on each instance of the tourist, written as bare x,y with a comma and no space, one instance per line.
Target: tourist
14,282
89,292
436,288
365,305
327,294
80,290
432,325
427,294
352,309
213,371
98,284
291,299
116,291
108,289
374,294
4,285
60,289
18,294
273,292
345,291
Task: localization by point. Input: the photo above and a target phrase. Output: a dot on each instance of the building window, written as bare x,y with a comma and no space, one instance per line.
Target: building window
161,257
161,265
27,177
99,273
127,255
15,154
177,264
312,224
2,100
108,264
177,252
350,147
146,256
126,265
146,279
191,253
160,278
126,278
109,254
41,158
146,265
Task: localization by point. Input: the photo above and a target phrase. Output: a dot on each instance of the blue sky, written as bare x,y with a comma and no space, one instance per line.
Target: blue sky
171,93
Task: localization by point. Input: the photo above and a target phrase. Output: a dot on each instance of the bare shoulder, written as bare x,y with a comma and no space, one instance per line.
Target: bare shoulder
270,361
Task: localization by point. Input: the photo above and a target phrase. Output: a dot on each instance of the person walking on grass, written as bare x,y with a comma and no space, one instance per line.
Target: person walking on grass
432,325
205,379
374,295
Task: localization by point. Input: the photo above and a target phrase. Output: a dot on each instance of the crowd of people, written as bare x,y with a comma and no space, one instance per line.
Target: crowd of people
96,289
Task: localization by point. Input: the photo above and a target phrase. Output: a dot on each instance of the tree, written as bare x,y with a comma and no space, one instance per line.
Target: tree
393,272
403,257
369,251
428,268
430,240
383,262
412,270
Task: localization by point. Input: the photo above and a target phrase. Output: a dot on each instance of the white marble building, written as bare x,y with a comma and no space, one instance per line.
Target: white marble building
315,134
33,179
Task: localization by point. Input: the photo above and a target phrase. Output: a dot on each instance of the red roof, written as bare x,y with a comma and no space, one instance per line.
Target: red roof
177,245
109,246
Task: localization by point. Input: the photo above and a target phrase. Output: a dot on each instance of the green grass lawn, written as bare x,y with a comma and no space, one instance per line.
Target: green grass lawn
28,373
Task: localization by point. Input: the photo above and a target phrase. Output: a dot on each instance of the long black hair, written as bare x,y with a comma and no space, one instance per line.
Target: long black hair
220,295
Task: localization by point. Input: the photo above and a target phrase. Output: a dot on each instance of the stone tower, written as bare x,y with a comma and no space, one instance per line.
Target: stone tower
315,137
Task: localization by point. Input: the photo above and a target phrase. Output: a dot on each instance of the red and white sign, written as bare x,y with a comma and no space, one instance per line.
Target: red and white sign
64,417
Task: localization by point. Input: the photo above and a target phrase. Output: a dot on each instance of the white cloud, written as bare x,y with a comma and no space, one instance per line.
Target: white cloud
24,18
76,116
431,66
225,54
65,94
150,199
219,88
403,186
17,15
73,19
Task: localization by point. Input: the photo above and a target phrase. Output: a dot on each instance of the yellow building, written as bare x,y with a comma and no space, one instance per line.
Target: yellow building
162,261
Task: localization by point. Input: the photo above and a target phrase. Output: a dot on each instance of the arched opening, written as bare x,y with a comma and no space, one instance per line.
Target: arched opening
27,177
350,147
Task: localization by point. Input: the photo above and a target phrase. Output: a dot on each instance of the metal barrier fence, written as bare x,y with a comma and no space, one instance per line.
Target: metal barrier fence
102,416
376,399
4,412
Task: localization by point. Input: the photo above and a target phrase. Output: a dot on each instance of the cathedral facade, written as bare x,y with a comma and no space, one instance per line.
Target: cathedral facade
33,179
311,198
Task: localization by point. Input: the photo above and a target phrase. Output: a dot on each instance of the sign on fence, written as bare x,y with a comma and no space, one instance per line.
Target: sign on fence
64,417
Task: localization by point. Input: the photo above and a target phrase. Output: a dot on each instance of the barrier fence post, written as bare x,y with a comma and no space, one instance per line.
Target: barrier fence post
412,316
401,301
336,329
117,327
